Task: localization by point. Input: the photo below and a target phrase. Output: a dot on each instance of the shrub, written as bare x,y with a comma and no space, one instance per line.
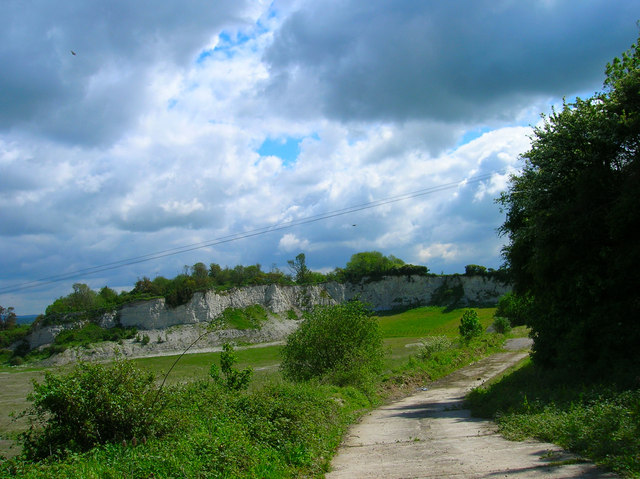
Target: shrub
93,404
515,308
10,336
339,344
233,379
470,326
501,325
434,344
92,333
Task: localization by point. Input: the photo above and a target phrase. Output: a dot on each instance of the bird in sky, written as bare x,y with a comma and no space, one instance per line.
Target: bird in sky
73,53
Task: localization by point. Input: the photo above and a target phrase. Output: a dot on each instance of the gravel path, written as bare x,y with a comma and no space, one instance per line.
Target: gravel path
429,435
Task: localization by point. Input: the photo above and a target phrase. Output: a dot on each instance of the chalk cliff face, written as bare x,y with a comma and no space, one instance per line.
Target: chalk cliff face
204,307
387,294
396,292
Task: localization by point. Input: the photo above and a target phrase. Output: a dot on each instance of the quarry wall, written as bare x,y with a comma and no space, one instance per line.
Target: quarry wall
389,293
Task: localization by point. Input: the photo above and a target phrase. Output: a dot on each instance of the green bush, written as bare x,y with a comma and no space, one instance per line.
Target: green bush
92,333
10,336
434,344
515,308
470,326
501,325
339,344
228,377
93,404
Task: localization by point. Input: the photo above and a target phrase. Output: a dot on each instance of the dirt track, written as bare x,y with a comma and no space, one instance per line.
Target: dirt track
429,435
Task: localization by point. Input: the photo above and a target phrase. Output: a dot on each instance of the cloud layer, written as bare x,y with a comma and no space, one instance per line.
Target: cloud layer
154,134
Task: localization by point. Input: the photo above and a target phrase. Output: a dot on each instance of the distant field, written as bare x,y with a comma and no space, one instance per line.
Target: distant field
398,330
403,331
429,321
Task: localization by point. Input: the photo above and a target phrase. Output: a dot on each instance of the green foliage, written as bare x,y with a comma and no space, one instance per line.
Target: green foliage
226,375
225,278
8,318
92,333
93,404
83,335
475,270
501,325
278,430
571,218
282,430
373,265
434,344
10,336
436,364
144,339
250,317
598,422
515,307
428,321
449,293
299,269
470,326
340,344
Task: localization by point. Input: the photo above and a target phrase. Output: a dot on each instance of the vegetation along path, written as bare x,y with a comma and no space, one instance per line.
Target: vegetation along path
429,435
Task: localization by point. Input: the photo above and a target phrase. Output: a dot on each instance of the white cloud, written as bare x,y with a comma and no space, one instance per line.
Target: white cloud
290,242
445,251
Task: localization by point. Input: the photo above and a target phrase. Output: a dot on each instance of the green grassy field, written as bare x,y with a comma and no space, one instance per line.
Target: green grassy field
399,331
429,321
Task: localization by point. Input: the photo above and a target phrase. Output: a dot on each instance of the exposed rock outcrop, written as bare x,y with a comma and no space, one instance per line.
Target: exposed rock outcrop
393,292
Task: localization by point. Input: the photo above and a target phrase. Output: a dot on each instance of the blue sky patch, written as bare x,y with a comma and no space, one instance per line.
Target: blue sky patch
471,135
286,149
225,46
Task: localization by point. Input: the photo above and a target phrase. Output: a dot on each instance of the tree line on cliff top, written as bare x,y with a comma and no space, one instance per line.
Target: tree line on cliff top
84,303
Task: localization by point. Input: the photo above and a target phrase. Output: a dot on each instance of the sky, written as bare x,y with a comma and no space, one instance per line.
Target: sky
140,137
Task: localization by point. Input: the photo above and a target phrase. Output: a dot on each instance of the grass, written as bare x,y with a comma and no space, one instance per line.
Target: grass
263,360
250,317
599,422
275,429
429,321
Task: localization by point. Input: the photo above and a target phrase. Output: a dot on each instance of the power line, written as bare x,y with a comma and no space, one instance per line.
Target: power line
248,234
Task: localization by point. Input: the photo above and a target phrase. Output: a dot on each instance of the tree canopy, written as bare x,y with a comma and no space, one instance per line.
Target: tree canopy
571,221
8,318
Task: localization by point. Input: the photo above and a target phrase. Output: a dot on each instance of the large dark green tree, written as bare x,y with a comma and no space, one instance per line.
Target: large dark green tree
572,217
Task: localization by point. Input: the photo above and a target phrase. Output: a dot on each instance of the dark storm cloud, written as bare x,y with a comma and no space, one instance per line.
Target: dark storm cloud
91,95
397,60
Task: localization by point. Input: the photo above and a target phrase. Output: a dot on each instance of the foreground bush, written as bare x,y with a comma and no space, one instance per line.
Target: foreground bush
282,430
93,404
339,344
